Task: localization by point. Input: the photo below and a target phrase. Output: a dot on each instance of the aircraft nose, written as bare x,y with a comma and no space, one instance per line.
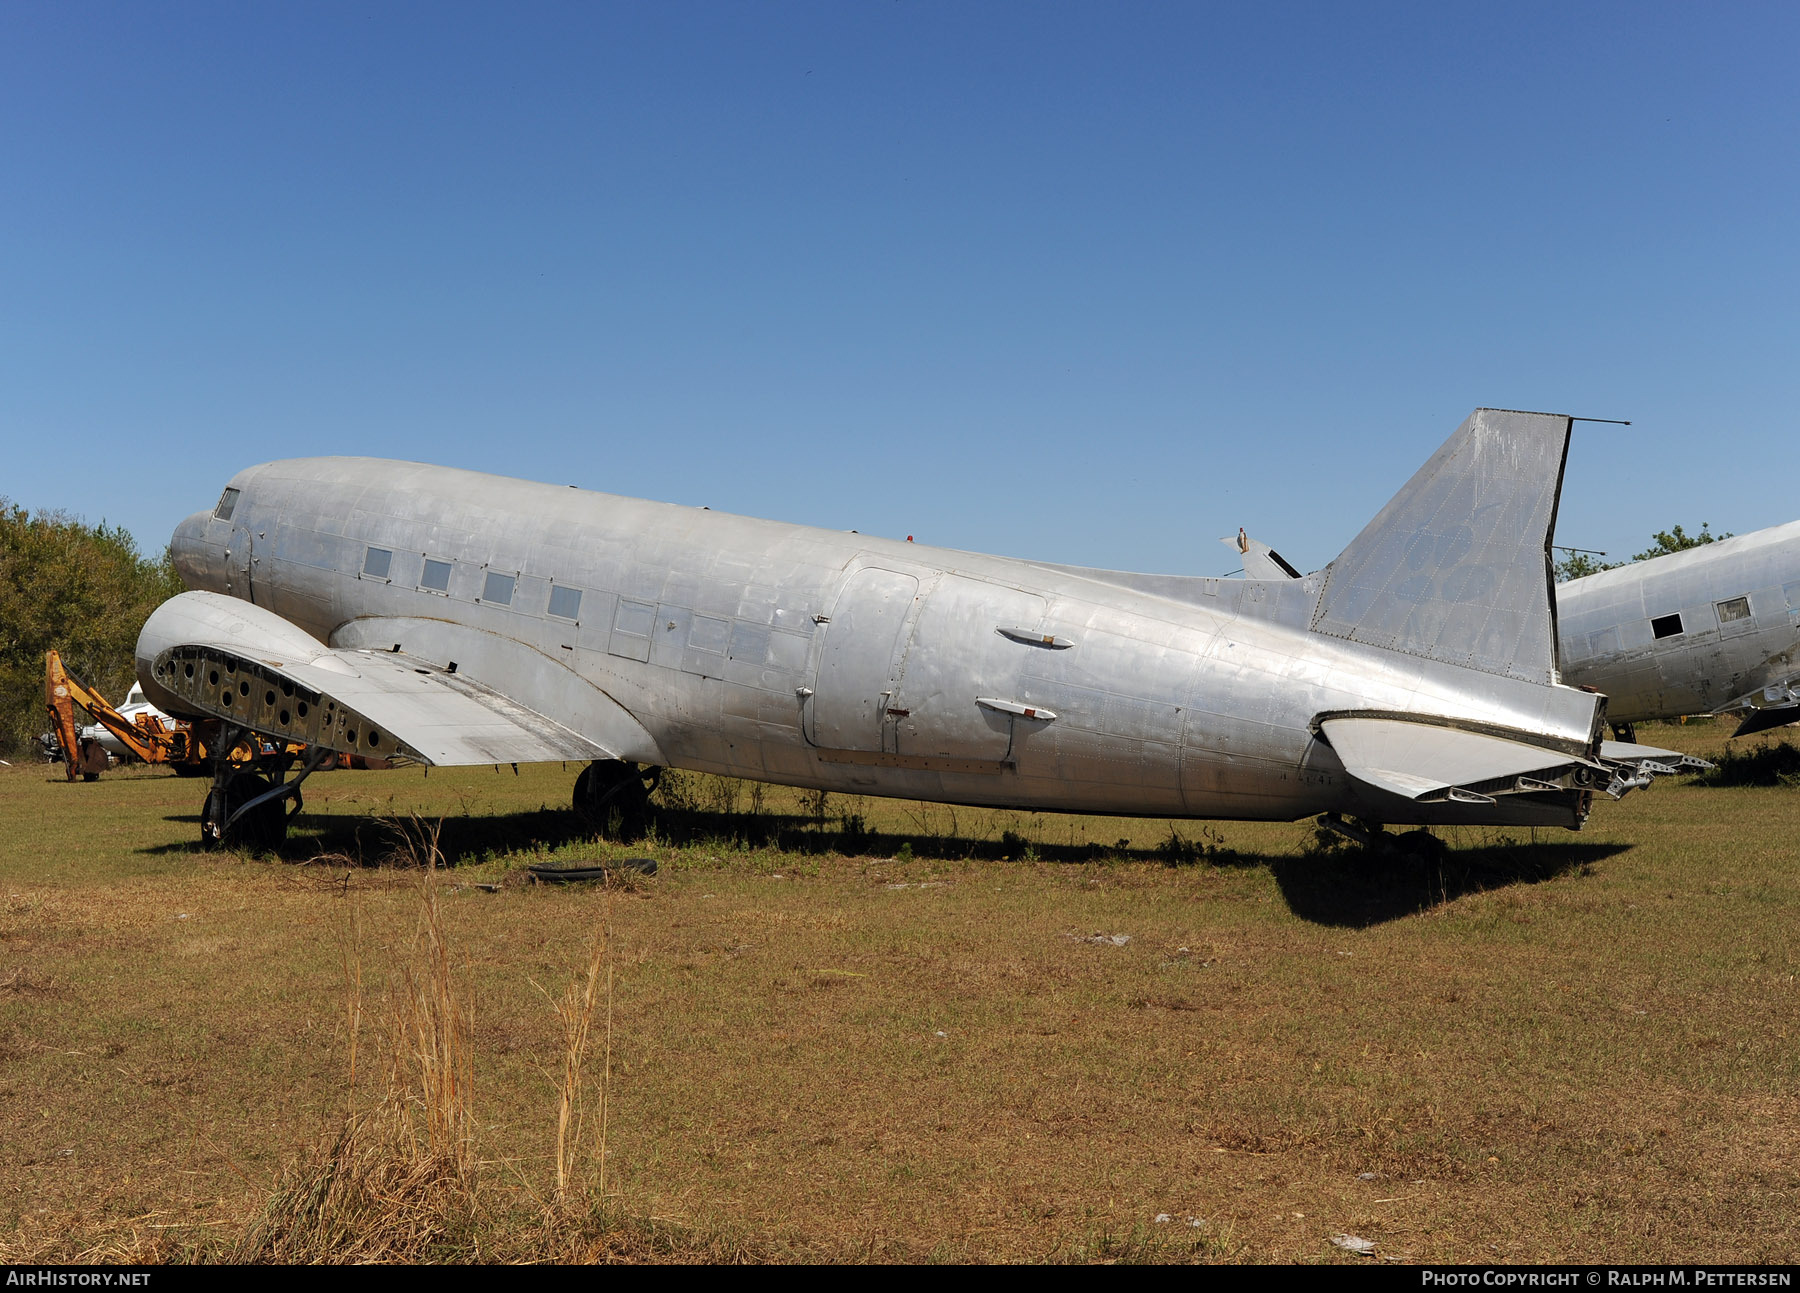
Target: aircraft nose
200,564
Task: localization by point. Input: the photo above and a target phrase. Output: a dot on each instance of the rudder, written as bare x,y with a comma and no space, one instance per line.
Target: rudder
1457,567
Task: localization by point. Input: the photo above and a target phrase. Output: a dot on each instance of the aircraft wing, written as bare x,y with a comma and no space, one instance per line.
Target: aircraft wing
223,658
1775,704
1763,720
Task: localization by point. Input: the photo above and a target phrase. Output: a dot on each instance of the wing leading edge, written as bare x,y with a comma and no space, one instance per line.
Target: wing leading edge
223,658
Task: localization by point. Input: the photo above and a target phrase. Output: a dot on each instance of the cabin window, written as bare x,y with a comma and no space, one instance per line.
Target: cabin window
376,563
1666,626
565,603
227,501
749,642
1738,608
634,618
436,576
709,634
498,588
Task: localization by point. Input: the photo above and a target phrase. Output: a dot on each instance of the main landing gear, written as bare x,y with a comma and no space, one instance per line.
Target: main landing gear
613,797
249,804
1420,845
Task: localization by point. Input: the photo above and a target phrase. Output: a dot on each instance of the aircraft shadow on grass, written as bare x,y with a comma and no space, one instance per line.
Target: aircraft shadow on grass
466,838
1346,887
1354,888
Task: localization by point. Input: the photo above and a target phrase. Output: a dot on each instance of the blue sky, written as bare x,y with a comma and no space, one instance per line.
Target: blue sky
1091,283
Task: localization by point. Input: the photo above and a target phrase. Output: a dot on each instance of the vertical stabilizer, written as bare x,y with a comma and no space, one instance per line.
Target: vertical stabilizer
1457,566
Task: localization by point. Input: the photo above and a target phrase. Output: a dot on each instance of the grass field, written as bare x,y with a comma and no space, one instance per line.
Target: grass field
866,1029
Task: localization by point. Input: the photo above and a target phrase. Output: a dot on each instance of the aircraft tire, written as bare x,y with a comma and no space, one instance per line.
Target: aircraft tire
613,799
261,829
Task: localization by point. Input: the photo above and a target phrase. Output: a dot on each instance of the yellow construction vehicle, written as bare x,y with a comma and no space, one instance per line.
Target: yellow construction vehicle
141,730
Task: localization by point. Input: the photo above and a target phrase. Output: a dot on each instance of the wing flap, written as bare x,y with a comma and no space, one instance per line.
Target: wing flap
449,719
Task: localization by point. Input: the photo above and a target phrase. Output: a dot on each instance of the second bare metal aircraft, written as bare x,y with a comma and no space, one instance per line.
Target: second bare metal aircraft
425,613
1712,630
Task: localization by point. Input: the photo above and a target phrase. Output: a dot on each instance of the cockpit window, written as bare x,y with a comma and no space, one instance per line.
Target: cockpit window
227,501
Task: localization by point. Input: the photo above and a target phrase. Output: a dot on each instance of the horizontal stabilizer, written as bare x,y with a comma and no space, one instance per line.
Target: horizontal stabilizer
224,658
1456,567
1423,760
1659,762
1260,560
1763,720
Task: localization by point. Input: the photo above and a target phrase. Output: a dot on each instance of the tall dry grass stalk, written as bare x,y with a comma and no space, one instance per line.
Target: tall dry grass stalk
351,941
576,1013
398,1180
436,1020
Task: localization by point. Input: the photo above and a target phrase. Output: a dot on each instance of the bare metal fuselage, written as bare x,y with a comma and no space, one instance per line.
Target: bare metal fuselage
1713,628
808,657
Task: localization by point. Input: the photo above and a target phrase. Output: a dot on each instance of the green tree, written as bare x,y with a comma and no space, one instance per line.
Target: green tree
85,590
1577,564
1674,539
1678,540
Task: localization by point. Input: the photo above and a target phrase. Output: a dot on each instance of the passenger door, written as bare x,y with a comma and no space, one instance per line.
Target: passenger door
859,661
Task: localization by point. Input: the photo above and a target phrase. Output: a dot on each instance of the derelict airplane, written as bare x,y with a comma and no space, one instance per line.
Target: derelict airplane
1711,630
442,616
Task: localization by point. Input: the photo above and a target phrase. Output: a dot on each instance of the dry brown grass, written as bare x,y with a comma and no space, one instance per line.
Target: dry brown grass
401,1180
397,1181
1578,1049
575,1011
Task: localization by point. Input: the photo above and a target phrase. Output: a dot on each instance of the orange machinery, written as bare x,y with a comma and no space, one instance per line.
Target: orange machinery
152,736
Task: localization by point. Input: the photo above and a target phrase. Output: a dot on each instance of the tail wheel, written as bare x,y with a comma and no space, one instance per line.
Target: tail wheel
1419,846
613,797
